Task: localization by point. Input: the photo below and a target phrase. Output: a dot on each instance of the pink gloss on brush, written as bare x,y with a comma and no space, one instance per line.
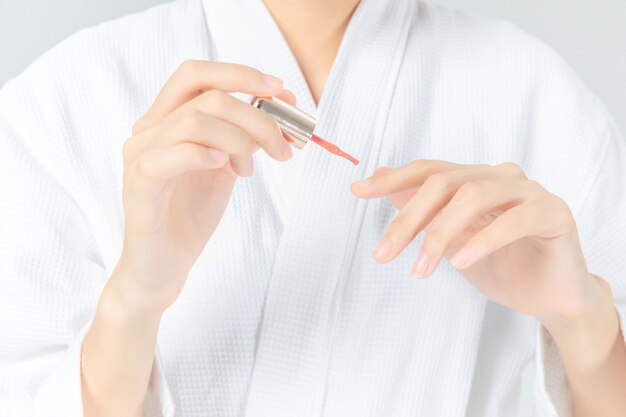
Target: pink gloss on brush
297,125
332,148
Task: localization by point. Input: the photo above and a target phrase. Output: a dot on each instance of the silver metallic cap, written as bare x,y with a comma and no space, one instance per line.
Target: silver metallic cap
293,121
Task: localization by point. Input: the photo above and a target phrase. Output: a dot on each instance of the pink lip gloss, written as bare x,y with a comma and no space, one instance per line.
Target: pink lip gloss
332,148
298,125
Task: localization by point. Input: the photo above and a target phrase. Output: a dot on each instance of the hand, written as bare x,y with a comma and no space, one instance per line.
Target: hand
513,240
180,167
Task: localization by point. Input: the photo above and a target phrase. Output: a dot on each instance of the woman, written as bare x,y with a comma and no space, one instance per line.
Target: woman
168,274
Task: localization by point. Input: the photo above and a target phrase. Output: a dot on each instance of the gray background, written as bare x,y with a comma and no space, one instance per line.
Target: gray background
590,35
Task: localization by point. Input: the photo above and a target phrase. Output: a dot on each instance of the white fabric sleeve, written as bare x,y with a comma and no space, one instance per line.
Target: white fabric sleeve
51,276
602,227
51,266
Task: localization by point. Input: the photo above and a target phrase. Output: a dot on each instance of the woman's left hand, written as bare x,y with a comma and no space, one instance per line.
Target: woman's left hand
513,240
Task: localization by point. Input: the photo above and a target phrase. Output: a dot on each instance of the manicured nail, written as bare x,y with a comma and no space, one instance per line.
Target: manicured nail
421,265
383,249
364,184
462,258
272,82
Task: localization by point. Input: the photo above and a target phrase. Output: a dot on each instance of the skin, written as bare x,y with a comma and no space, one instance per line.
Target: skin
186,153
517,244
313,30
180,167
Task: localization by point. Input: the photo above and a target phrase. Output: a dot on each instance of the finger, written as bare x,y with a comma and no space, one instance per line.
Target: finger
472,201
260,126
400,179
287,96
400,199
194,77
193,125
154,168
201,114
431,197
545,218
415,173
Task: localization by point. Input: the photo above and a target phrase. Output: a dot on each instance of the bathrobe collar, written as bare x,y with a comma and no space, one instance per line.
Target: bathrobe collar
323,207
375,38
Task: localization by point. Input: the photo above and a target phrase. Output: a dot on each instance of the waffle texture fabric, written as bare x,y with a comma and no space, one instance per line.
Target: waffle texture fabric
286,313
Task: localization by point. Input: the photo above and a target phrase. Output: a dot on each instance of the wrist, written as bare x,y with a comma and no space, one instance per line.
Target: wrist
587,337
121,299
595,311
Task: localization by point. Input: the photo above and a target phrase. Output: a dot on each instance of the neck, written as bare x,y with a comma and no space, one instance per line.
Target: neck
313,29
312,15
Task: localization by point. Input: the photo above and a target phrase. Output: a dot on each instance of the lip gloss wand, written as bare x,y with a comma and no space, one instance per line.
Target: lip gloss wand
298,125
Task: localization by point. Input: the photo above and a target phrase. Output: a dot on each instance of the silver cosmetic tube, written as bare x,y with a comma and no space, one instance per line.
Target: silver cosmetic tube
292,121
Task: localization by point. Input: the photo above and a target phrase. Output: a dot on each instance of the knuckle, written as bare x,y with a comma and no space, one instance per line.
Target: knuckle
143,167
253,75
435,240
248,77
438,182
535,191
562,207
472,190
268,129
247,147
381,170
215,101
524,219
520,218
535,187
190,121
511,169
189,67
402,223
138,125
384,180
561,203
127,150
196,157
422,166
244,146
245,139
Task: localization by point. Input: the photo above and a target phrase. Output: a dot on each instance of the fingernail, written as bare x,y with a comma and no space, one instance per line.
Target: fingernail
249,168
286,92
272,82
217,156
462,258
285,149
364,184
421,265
383,249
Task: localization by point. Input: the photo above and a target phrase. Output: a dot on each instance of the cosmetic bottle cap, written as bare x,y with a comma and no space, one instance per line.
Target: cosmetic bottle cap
298,125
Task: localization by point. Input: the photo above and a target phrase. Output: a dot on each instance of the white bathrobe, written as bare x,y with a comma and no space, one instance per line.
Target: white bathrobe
286,314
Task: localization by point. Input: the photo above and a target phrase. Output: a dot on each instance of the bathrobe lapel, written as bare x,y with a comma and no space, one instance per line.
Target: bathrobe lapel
294,335
320,229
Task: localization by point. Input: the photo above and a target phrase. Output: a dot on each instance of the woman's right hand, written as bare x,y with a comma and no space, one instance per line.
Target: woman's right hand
180,167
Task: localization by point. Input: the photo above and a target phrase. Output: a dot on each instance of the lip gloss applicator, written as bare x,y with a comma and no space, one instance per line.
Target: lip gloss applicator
298,125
